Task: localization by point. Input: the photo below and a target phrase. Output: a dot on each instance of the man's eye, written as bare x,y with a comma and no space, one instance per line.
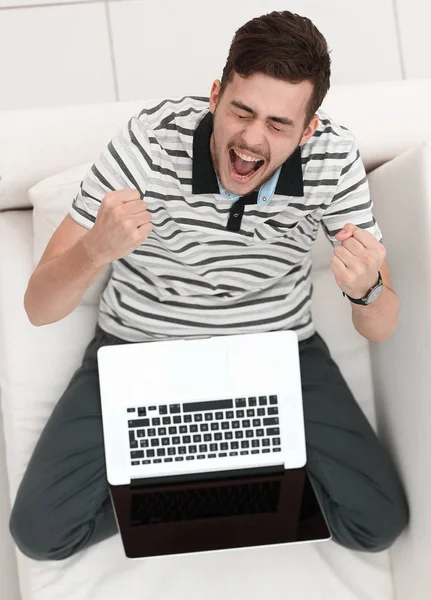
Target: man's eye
275,128
271,125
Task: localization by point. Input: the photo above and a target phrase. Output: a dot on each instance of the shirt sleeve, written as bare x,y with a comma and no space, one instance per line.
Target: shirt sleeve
124,163
351,202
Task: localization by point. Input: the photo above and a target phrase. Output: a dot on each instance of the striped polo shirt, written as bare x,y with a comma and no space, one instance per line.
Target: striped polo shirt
216,263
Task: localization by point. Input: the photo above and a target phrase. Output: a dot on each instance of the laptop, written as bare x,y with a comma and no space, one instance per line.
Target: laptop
205,444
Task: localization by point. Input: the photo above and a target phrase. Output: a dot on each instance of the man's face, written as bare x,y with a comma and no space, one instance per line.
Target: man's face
256,134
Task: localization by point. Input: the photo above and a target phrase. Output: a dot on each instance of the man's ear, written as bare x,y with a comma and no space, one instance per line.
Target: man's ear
214,95
314,124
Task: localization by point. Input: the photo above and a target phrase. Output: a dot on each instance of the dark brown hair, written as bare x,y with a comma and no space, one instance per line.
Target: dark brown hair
283,45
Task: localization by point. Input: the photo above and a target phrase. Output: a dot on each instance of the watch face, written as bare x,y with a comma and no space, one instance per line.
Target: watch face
374,294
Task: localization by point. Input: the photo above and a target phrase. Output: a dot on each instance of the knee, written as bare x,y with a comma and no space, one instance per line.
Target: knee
380,529
34,534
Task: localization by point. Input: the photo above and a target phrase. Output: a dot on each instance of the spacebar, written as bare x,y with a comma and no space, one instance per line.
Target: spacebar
210,405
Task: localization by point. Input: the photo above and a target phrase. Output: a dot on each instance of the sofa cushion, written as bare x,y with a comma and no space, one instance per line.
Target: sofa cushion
51,199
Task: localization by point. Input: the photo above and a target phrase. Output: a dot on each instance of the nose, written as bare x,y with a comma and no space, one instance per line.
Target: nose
253,137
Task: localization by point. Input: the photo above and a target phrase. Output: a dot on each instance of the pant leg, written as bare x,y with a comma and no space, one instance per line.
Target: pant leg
63,503
351,472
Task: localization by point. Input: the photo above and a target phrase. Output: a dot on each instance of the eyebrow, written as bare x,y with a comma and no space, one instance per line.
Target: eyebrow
282,120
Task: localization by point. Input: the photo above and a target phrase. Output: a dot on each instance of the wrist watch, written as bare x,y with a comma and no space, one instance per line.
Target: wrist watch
371,295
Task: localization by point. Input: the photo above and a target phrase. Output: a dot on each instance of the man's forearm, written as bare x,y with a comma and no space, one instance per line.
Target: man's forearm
377,321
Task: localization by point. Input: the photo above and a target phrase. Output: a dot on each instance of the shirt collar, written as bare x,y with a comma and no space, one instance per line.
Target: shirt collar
204,178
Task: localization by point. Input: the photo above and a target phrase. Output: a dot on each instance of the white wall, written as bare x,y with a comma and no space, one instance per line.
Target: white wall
86,51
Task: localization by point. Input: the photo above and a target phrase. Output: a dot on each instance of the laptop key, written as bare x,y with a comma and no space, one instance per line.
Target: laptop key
171,451
176,439
212,455
235,424
161,452
239,402
166,441
255,443
157,460
273,410
182,428
207,437
273,399
182,450
218,436
176,419
172,430
229,414
239,414
250,412
265,442
260,412
166,420
239,435
198,417
142,411
255,451
213,447
146,462
131,410
219,416
155,422
228,435
266,450
245,444
187,418
200,456
270,421
189,457
135,462
161,431
215,426
150,453
263,400
249,433
155,442
174,408
252,401
163,409
194,428
246,423
224,446
276,441
197,438
225,425
187,439
179,458
209,416
222,454
244,452
140,432
260,432
134,444
139,423
168,459
193,449
203,448
204,427
137,454
273,431
276,449
151,432
144,443
234,445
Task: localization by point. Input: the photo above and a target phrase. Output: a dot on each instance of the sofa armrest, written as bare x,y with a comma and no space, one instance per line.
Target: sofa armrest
401,192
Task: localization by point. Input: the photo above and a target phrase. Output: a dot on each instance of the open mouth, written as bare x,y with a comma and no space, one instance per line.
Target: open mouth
243,170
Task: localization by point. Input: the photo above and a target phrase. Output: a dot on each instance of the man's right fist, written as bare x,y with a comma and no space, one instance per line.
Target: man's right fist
122,224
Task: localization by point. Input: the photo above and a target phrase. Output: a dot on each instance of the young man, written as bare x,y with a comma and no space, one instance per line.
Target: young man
207,209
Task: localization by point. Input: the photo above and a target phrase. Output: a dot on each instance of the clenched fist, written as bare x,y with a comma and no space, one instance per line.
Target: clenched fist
122,224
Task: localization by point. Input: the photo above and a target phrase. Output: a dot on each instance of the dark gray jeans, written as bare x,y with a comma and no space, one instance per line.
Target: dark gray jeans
63,504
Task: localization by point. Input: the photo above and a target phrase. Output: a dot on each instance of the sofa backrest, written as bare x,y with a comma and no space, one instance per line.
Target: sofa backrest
387,118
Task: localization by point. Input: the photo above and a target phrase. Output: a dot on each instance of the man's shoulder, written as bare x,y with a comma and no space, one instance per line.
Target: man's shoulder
332,133
173,113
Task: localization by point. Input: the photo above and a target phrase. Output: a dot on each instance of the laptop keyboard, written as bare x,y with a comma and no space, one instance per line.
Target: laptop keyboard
203,503
203,430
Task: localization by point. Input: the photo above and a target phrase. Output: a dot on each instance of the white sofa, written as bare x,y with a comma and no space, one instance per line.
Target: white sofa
389,380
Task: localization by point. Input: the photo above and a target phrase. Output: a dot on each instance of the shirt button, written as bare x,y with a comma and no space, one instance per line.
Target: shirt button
264,199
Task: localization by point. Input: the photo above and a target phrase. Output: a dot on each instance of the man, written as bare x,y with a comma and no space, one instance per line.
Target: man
207,214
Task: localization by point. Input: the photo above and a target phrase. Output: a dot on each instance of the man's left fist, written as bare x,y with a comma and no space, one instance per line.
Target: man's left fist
356,261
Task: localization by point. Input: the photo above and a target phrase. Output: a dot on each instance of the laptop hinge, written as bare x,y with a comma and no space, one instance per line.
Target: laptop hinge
209,476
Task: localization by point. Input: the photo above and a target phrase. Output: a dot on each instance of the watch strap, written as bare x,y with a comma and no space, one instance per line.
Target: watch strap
363,300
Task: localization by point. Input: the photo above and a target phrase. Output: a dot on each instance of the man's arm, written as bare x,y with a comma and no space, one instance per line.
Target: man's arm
378,321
